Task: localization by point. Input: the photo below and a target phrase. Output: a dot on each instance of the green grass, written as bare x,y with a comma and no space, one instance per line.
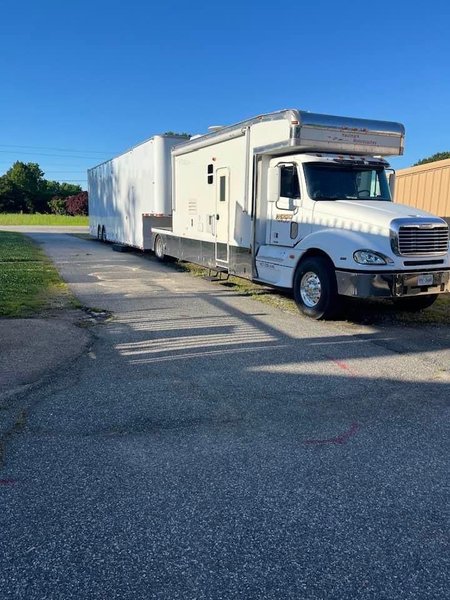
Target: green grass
29,283
362,312
38,219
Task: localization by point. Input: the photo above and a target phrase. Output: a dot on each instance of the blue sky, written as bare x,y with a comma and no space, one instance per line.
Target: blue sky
97,77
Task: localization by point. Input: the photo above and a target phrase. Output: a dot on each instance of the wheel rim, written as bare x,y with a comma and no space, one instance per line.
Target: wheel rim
310,289
159,251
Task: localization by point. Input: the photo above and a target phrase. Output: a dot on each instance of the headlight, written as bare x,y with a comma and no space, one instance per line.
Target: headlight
370,257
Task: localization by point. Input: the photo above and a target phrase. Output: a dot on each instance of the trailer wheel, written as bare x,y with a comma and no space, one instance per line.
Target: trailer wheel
315,288
103,234
159,249
415,303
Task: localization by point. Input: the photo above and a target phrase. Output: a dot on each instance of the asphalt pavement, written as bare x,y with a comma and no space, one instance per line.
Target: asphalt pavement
209,446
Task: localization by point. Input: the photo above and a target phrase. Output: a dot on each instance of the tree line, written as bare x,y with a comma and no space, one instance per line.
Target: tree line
23,188
433,158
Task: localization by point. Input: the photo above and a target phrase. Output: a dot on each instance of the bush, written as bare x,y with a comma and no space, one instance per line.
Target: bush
78,204
57,206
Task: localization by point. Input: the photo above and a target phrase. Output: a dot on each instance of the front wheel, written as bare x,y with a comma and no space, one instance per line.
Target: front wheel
415,303
315,288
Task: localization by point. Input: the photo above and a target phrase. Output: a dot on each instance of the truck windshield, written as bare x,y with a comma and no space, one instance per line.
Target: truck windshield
327,181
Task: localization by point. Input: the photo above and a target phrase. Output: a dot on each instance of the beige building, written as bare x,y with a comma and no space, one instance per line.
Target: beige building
426,187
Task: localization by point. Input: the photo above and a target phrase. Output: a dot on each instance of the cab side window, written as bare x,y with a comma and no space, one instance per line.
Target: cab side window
289,186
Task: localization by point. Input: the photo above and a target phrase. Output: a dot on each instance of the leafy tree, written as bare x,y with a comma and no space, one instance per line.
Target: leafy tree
52,189
183,135
28,179
68,189
433,158
78,204
12,199
23,188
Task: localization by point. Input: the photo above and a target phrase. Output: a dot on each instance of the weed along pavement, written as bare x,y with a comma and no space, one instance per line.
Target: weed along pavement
211,446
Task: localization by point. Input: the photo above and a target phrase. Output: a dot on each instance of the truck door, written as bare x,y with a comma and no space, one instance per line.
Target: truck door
222,216
282,212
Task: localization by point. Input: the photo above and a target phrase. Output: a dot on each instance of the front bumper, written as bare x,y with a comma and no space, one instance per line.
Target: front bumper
392,285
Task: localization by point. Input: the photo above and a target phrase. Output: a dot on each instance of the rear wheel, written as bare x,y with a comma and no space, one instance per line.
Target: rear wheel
315,288
159,249
415,303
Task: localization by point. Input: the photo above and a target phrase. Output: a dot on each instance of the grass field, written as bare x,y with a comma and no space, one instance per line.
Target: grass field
29,283
38,219
362,312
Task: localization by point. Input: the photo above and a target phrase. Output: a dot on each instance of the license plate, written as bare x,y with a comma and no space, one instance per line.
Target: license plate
425,280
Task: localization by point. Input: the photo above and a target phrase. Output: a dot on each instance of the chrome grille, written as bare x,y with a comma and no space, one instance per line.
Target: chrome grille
418,241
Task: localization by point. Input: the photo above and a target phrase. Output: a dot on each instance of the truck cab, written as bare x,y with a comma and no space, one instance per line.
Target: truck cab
335,213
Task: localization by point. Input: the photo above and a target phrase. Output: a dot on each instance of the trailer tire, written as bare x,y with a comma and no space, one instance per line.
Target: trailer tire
415,303
315,288
103,234
159,249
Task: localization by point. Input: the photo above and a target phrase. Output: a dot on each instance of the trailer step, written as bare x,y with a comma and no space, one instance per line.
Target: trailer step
217,274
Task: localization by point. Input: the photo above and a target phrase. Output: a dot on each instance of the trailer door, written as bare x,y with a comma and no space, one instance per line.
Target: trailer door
222,215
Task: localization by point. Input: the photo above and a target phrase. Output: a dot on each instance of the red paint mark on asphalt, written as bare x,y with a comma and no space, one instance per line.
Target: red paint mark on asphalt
340,439
7,482
342,365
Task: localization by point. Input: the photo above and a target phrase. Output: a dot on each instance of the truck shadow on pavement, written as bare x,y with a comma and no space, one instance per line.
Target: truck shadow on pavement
210,364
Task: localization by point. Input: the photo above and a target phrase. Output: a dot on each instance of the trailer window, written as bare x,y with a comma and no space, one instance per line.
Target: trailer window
289,185
222,188
210,172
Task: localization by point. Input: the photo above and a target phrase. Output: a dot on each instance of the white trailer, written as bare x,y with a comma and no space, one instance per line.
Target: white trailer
132,191
301,200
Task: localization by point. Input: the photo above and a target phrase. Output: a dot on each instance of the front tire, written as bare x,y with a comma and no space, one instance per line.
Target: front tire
415,303
315,288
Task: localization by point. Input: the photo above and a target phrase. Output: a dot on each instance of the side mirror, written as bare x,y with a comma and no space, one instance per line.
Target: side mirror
288,203
273,187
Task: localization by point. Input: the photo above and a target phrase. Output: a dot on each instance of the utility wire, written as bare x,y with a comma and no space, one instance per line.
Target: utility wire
57,149
68,170
57,155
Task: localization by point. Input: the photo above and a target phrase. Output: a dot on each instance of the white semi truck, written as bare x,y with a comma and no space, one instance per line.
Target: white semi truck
291,199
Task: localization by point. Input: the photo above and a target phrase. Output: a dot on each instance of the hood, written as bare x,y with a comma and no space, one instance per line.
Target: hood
374,212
